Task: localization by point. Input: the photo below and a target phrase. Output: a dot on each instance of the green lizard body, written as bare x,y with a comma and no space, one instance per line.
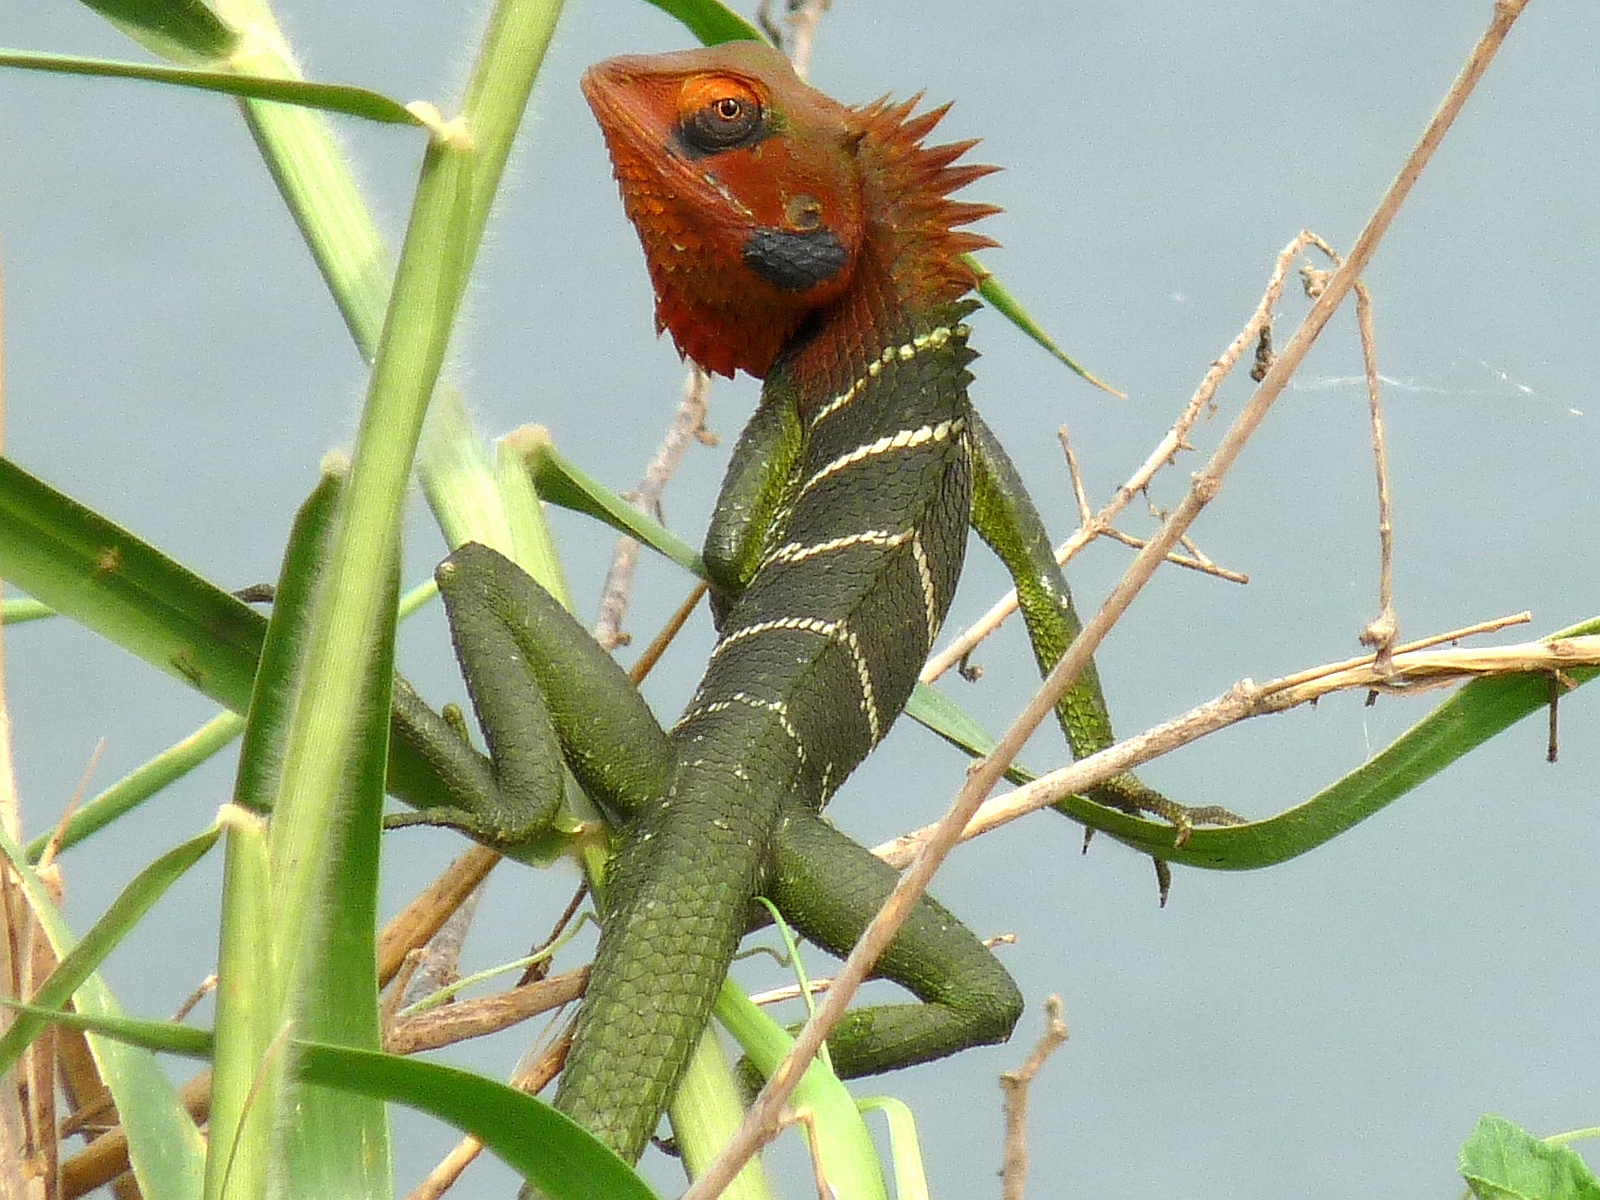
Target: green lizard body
813,245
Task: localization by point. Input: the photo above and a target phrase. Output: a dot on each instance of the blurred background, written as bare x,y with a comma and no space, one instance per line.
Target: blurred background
1332,1026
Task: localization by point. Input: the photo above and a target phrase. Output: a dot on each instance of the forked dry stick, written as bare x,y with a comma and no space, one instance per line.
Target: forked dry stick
1014,1087
1165,452
761,1121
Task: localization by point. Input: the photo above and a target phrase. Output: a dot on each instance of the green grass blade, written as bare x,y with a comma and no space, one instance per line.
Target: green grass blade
172,28
250,1098
561,482
82,959
247,1057
326,97
19,610
905,1147
162,1037
999,298
164,1144
710,21
841,1141
133,789
936,712
552,1152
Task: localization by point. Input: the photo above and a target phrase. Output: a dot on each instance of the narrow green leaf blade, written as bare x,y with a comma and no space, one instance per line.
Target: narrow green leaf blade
552,1152
328,97
710,21
172,28
163,1037
999,298
561,482
133,789
164,1144
80,961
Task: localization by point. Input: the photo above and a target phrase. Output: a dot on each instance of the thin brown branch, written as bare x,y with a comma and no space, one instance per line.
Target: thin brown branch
688,425
653,652
1014,1087
415,925
1411,672
1164,454
466,1019
760,1122
1382,631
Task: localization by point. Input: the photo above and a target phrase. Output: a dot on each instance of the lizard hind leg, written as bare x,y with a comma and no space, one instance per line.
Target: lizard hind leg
829,888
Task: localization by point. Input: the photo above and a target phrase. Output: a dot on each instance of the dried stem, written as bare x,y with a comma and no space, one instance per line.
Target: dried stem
688,425
761,1121
1014,1090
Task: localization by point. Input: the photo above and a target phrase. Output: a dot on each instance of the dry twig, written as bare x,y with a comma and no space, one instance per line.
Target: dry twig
1014,1091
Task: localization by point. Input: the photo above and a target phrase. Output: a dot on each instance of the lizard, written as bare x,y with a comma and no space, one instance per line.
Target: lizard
815,246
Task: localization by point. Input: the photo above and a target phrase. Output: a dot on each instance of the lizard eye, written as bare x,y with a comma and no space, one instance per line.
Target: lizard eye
719,114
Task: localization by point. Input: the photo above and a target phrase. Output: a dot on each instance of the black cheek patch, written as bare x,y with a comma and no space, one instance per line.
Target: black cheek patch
794,262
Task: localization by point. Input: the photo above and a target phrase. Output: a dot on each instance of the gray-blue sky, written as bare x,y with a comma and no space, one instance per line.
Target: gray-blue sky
1332,1026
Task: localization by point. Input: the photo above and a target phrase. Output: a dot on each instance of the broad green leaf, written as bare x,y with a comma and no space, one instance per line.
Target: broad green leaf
1501,1161
550,1150
100,575
711,21
328,97
88,568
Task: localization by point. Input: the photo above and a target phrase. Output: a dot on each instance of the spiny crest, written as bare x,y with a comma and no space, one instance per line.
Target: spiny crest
912,207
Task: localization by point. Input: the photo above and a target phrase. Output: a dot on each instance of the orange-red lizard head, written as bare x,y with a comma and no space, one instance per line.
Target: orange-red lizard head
743,186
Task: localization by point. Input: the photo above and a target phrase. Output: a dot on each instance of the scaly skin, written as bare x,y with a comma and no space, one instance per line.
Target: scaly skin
812,245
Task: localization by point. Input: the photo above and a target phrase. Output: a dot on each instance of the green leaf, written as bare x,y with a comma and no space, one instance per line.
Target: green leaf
710,21
1476,713
172,28
552,1152
19,610
840,1138
1003,302
164,1144
79,962
561,482
164,1037
935,711
1501,1161
328,97
133,789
